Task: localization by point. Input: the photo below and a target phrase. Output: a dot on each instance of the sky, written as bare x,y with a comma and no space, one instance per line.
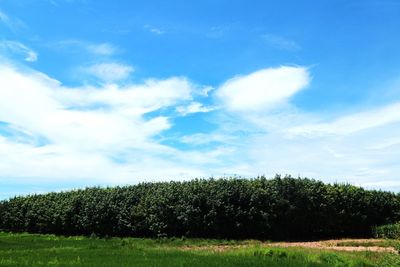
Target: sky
103,93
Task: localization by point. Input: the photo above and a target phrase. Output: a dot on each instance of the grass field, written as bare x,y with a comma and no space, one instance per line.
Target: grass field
49,250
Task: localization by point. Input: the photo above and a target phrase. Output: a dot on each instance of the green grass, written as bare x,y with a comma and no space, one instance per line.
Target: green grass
50,250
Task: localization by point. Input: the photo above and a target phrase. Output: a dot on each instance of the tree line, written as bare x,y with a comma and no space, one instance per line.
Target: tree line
278,209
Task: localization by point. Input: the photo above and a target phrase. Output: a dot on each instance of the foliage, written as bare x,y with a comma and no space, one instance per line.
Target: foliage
279,208
388,231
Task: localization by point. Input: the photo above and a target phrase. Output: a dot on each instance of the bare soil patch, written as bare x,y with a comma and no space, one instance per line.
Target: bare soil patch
334,244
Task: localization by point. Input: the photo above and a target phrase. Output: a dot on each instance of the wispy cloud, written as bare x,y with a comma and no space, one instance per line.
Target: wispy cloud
351,123
12,23
5,19
102,49
194,107
98,49
19,48
280,42
110,71
154,30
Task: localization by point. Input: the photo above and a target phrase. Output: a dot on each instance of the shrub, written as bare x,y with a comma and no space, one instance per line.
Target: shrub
388,231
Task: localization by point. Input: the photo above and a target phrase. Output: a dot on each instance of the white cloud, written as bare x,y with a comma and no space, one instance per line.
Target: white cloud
360,157
110,71
113,134
104,49
82,138
205,91
132,100
360,148
270,135
17,47
194,107
42,105
263,89
352,123
202,139
157,31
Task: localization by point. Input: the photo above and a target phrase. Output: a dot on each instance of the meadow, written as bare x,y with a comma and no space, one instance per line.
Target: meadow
49,250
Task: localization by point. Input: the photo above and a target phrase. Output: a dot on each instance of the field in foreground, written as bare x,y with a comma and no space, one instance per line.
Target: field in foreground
50,250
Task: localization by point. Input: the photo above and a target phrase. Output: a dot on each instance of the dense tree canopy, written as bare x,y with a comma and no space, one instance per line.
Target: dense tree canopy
279,208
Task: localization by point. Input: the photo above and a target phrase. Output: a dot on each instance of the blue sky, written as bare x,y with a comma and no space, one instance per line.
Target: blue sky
105,93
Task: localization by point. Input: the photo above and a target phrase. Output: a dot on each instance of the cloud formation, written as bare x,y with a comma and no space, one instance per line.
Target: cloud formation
87,130
352,123
113,133
19,48
109,71
263,89
194,107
